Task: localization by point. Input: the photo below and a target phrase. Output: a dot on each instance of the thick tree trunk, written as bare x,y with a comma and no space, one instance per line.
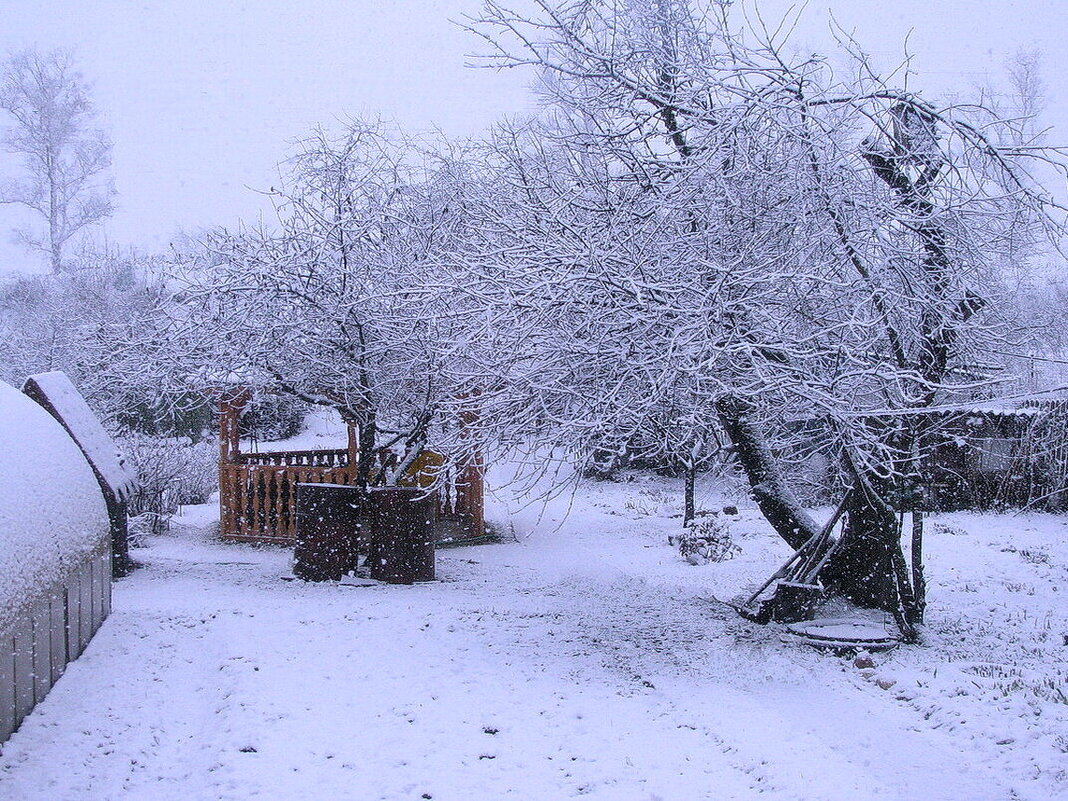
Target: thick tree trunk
862,567
689,496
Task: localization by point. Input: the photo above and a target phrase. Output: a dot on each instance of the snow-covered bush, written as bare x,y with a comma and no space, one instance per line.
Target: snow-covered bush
172,472
707,540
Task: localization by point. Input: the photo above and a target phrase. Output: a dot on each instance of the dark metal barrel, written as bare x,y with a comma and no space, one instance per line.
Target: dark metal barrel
328,517
401,522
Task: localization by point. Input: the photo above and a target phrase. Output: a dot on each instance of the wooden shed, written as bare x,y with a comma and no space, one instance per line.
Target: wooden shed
257,491
991,456
979,456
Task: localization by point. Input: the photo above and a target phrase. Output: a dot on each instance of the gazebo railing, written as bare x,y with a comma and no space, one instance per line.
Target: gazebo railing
258,492
324,458
258,502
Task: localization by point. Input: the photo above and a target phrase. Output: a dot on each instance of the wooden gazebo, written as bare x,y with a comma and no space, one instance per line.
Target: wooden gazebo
257,491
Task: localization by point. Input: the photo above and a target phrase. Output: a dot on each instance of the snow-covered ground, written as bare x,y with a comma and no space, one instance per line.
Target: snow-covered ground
583,659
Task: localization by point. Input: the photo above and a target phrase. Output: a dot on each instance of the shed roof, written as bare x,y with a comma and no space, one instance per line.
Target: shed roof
57,393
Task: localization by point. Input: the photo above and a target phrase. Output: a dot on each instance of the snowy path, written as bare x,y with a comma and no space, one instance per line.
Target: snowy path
543,670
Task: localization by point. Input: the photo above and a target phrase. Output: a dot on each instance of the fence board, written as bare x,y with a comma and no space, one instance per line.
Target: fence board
42,650
72,601
23,666
52,629
96,569
85,605
105,561
57,614
7,684
255,522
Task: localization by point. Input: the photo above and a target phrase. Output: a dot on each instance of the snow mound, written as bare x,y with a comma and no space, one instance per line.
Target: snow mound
52,511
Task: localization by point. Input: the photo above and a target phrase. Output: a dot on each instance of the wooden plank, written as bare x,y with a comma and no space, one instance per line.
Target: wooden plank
255,524
105,558
24,683
95,605
238,498
225,501
100,582
57,613
277,508
265,501
281,503
291,531
232,503
72,601
269,505
42,650
244,501
7,684
85,605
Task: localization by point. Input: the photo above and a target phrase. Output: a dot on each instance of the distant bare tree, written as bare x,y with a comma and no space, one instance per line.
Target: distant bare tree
1028,88
64,157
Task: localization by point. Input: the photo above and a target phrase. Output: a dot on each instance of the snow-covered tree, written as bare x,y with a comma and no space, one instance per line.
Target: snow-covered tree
89,322
337,301
706,223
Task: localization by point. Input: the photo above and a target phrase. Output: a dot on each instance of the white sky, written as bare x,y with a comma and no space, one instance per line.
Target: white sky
202,96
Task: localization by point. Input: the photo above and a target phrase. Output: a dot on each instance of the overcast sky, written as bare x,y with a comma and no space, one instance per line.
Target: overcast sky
201,97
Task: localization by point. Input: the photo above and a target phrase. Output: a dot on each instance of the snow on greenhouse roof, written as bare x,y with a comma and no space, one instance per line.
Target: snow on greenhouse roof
52,511
56,393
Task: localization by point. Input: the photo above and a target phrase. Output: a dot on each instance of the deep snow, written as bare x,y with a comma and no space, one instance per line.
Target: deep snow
584,659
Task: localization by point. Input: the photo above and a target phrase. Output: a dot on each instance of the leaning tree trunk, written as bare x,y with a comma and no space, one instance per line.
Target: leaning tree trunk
866,566
776,501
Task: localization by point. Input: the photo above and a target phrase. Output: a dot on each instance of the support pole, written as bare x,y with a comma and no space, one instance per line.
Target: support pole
919,584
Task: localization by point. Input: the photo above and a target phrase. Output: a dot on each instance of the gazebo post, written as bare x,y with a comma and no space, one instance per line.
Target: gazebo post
354,451
470,487
231,403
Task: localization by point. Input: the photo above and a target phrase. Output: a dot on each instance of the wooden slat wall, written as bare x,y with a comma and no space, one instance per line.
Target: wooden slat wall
48,633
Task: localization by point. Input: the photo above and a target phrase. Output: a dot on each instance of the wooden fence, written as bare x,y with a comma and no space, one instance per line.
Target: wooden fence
49,631
258,491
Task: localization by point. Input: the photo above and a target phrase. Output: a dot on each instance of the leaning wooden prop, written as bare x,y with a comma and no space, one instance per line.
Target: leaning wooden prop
796,590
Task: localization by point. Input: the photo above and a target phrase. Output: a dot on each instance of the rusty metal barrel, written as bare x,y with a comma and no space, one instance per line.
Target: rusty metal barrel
400,521
328,519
